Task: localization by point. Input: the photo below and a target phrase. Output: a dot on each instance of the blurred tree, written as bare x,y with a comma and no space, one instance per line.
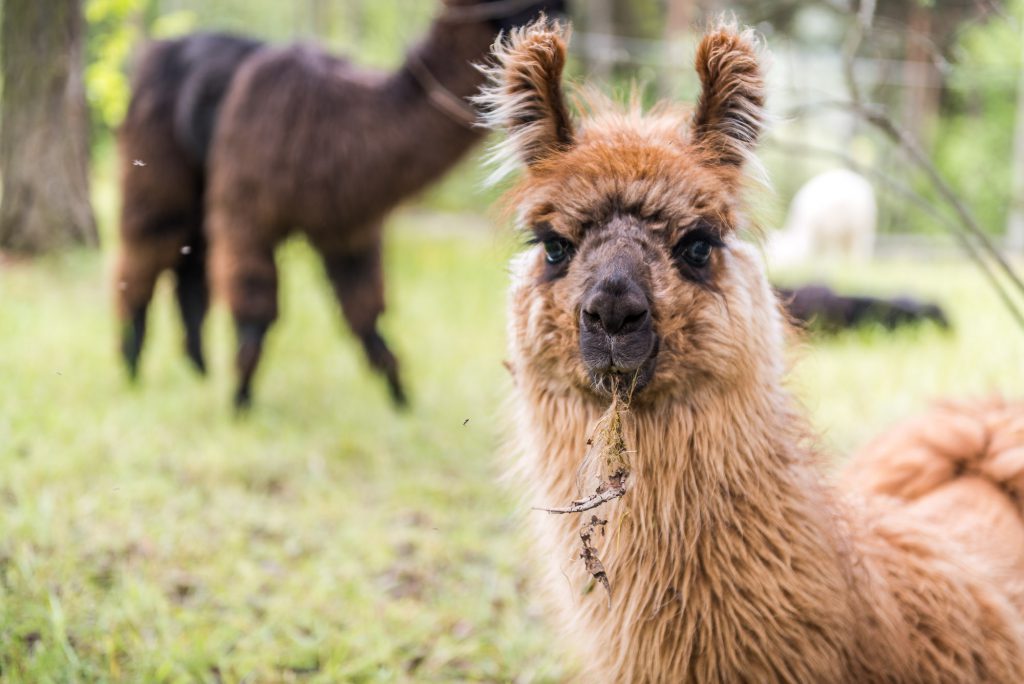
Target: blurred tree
679,22
974,138
44,129
601,23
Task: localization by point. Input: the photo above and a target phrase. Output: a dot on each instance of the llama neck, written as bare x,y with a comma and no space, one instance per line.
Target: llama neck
723,551
428,140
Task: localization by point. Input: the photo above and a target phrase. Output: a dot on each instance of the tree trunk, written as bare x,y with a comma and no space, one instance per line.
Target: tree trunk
921,89
44,129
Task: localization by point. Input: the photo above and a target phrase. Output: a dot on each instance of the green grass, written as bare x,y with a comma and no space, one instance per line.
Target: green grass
146,535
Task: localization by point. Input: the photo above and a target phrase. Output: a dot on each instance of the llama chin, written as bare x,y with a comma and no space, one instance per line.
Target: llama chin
729,555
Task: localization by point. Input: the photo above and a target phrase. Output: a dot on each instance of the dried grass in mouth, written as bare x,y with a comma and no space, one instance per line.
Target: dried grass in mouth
608,438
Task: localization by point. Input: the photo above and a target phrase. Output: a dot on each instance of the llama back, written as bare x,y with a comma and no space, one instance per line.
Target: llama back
961,467
918,456
211,61
181,83
951,481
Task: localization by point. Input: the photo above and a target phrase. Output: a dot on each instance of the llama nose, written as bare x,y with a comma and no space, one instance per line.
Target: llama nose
616,306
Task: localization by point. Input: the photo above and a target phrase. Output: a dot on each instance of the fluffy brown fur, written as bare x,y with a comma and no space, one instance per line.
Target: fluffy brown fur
731,558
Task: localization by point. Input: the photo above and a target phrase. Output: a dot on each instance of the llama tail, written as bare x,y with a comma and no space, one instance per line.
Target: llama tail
982,439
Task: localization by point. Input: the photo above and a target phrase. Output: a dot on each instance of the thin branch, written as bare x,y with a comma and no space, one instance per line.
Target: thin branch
606,491
854,37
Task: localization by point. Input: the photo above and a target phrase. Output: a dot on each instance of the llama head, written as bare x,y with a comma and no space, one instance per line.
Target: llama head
637,279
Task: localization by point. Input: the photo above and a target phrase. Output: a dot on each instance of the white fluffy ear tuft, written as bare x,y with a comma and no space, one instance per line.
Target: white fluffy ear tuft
523,95
730,113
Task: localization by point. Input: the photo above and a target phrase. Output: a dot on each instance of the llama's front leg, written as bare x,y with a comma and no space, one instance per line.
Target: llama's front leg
193,294
359,285
248,278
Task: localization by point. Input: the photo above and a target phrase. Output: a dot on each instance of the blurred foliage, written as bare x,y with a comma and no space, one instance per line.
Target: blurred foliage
977,50
974,137
116,29
111,35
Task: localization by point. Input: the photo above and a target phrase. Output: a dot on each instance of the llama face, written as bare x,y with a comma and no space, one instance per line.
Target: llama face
636,278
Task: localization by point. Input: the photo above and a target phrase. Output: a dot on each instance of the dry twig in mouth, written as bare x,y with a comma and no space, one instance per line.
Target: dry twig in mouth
612,488
589,554
615,472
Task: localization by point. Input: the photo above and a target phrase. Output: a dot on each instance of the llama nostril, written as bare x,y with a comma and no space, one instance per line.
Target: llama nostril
614,315
625,316
634,321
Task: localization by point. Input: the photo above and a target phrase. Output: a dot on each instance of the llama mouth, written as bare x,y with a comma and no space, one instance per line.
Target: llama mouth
625,381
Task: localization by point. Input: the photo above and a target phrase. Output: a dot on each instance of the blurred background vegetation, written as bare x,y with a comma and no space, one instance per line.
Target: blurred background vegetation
948,71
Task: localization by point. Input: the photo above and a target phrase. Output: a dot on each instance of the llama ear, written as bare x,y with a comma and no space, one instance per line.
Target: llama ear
730,113
523,94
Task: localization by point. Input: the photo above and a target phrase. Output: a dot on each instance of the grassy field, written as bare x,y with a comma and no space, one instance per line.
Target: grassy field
146,535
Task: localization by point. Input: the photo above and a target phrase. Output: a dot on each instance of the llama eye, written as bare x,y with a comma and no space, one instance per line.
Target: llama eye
557,250
693,251
697,253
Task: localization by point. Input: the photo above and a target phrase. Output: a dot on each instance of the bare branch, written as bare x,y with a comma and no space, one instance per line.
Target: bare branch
589,554
614,488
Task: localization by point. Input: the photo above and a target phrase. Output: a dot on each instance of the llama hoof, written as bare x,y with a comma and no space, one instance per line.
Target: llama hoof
198,362
243,401
132,366
398,397
130,351
250,345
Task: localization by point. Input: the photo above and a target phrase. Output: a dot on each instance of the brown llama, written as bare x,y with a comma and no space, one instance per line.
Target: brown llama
274,140
730,555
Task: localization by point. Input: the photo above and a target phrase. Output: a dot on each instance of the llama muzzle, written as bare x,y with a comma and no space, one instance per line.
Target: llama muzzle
618,343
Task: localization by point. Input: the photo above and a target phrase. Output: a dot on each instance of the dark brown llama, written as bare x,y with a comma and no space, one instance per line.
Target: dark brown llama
305,141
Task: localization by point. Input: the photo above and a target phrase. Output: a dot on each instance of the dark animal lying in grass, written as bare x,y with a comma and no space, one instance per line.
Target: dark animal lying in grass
822,308
303,141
